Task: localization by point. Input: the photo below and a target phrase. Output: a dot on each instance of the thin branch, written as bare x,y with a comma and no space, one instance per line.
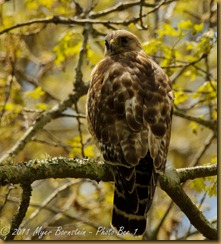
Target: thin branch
80,131
56,210
53,144
17,219
79,90
191,173
199,207
173,188
48,200
78,7
202,150
159,5
64,213
195,232
40,122
83,22
7,94
79,116
177,74
22,76
68,21
118,7
141,14
209,124
78,83
154,233
6,196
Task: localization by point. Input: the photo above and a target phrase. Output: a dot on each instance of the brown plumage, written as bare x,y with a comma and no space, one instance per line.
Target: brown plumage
129,112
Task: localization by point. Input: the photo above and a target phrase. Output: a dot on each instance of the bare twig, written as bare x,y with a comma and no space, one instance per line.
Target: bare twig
53,144
141,14
212,221
80,132
209,124
68,21
64,213
83,22
119,7
40,122
154,233
202,150
48,200
163,2
7,95
176,75
79,116
199,206
6,196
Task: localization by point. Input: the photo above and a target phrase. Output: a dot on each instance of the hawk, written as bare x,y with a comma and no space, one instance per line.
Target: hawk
129,112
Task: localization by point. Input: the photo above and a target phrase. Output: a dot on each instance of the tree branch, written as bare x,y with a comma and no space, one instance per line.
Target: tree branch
171,185
47,201
17,219
83,22
67,21
209,124
191,173
79,90
59,167
40,122
118,7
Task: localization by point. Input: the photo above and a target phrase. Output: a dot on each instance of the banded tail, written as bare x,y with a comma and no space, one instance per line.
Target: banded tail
134,191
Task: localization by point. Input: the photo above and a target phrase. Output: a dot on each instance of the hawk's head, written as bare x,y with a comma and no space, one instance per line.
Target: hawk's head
121,41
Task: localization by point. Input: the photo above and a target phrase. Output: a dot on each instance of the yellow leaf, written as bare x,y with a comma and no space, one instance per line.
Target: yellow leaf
36,93
180,97
168,30
198,27
32,5
194,126
152,46
42,106
75,143
89,151
12,107
185,25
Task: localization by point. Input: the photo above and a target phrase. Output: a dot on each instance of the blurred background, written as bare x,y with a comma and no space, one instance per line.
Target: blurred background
37,71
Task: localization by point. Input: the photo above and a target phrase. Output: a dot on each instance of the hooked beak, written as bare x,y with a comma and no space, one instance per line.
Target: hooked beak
112,41
113,44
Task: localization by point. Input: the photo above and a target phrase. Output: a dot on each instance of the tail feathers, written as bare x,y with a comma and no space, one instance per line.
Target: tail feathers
124,218
125,189
133,197
124,222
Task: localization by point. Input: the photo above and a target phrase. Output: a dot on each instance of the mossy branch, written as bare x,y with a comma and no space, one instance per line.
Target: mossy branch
19,216
60,167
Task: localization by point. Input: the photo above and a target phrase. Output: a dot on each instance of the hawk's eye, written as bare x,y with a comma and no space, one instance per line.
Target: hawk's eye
124,40
106,44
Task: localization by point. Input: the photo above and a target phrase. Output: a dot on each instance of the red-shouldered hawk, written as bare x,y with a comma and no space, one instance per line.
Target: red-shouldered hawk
129,112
